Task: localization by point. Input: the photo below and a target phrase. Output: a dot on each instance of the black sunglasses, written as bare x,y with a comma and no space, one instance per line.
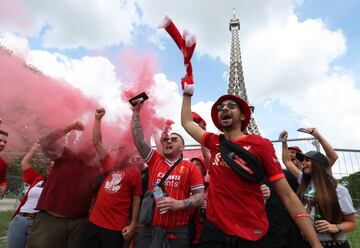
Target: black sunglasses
172,139
229,105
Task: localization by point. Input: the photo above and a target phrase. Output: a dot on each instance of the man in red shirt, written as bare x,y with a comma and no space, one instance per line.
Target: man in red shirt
65,200
235,206
121,189
3,164
184,189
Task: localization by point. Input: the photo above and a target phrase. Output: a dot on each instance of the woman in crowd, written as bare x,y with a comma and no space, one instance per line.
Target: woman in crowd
25,213
327,203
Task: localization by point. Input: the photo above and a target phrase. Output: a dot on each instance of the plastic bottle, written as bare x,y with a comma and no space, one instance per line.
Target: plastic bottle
158,193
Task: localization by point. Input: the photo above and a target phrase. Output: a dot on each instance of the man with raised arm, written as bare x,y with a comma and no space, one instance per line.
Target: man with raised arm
65,200
184,189
118,193
236,212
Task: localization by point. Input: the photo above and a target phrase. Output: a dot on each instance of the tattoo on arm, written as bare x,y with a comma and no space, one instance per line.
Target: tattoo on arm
188,204
196,200
138,136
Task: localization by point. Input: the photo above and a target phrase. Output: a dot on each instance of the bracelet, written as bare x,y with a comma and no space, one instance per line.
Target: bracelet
300,215
339,227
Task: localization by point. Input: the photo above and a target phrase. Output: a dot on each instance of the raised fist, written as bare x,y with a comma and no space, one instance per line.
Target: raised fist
77,125
283,136
99,113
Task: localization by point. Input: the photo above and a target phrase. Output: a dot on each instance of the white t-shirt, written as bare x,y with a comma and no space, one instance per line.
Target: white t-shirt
32,200
312,207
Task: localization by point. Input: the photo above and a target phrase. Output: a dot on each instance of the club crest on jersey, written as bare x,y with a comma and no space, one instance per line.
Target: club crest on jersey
247,148
112,185
219,161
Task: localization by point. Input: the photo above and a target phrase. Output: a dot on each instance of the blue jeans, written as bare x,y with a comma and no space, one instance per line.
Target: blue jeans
18,231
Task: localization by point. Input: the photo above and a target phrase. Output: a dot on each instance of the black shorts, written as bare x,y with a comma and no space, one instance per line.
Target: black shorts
212,237
97,237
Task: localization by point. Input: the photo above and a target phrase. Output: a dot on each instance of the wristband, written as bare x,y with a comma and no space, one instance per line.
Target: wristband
339,227
300,215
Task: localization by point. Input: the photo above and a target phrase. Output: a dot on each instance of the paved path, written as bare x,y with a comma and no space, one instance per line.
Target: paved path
7,204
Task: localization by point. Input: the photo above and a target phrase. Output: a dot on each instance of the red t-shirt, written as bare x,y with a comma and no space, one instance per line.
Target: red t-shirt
235,205
113,202
3,168
185,178
68,190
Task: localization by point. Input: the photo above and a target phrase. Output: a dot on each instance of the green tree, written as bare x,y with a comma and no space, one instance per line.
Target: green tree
352,183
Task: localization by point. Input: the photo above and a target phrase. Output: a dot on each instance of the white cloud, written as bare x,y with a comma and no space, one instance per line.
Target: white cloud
18,45
92,24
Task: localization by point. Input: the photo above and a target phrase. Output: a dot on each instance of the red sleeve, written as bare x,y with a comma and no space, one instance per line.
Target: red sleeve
30,174
107,163
151,159
270,162
209,140
137,186
196,179
3,169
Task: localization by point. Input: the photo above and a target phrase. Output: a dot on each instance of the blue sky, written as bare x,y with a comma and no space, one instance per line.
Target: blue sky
300,58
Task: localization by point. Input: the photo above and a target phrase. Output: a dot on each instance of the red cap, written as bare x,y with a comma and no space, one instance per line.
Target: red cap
296,148
202,160
244,107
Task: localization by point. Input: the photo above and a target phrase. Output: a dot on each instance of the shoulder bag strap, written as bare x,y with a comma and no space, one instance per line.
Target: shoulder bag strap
169,171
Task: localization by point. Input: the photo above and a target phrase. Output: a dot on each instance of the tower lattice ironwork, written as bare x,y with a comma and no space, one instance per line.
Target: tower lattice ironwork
236,84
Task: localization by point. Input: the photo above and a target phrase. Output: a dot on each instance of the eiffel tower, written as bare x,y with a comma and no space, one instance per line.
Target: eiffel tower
236,84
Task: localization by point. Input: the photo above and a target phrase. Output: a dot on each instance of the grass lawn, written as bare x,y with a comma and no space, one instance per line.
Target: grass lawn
353,237
4,222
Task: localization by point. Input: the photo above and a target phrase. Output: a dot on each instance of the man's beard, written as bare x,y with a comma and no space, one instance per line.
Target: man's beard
228,126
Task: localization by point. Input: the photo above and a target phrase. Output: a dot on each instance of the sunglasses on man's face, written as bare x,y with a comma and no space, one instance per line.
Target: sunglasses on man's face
172,139
229,105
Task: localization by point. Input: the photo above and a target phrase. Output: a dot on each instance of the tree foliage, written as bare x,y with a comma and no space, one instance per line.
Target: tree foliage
352,183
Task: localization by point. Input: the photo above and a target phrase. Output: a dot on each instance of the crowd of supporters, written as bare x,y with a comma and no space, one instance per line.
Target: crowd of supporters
235,195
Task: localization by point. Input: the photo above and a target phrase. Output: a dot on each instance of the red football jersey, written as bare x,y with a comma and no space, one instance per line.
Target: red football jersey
181,181
113,202
3,169
235,205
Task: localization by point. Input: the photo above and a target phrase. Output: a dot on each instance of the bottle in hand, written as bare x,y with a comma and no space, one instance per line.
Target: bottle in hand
158,193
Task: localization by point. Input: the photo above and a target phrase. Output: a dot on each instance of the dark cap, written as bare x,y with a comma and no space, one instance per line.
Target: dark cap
313,155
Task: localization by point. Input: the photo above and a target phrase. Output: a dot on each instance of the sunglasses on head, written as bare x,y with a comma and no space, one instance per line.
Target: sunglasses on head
229,105
172,139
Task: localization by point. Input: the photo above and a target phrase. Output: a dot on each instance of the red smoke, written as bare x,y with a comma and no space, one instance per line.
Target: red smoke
139,78
32,103
15,12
